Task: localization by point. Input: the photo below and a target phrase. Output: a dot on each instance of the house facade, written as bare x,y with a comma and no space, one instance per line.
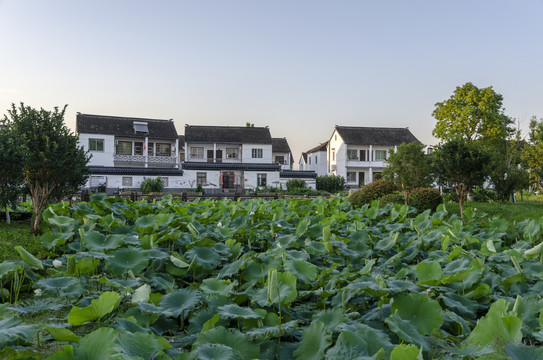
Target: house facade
127,150
359,153
315,159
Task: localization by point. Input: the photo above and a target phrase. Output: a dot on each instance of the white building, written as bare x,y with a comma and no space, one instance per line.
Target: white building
315,160
359,153
126,150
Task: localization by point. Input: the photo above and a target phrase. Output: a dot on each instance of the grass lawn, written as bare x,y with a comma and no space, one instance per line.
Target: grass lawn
18,234
528,209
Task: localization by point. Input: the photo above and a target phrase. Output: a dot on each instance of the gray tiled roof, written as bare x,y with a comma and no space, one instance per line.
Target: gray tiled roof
124,126
230,166
321,147
280,145
375,136
227,134
298,174
117,170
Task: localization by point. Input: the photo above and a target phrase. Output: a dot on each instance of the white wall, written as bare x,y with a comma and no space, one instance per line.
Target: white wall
99,158
246,154
319,162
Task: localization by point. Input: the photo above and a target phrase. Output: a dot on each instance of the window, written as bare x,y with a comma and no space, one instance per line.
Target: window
151,149
164,181
261,180
231,153
430,150
127,181
256,153
351,176
380,155
123,148
163,150
316,157
351,154
310,160
138,148
201,178
333,156
362,155
96,181
280,160
197,152
96,144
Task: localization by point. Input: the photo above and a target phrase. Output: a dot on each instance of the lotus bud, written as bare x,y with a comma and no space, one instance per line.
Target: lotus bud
57,263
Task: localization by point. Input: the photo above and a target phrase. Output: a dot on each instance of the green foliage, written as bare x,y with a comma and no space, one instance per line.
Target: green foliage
461,165
330,183
106,303
394,198
532,154
481,194
472,113
373,191
12,158
409,167
152,185
53,158
425,198
295,184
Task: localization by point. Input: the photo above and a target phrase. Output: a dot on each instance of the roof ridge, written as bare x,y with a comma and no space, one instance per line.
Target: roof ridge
123,117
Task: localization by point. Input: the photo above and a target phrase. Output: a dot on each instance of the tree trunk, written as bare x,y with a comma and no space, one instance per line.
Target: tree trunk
36,230
8,219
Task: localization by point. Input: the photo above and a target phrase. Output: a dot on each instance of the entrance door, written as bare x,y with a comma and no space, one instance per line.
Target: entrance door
361,178
218,156
228,180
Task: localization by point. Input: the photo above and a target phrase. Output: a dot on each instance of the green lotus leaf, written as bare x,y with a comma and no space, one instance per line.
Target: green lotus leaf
105,304
234,311
214,286
61,286
51,240
96,345
352,346
141,294
215,352
28,258
129,325
331,318
85,266
13,330
61,221
65,353
231,338
148,222
428,271
303,270
269,332
95,241
406,352
179,302
315,340
138,346
407,331
62,334
523,352
8,267
128,259
423,312
499,324
206,257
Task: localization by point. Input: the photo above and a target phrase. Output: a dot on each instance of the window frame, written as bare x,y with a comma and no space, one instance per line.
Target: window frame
257,153
201,176
381,152
262,179
96,141
349,177
118,146
127,181
350,152
232,153
166,153
196,152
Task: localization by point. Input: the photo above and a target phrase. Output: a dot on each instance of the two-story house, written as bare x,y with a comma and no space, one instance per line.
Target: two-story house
359,153
281,153
315,159
127,150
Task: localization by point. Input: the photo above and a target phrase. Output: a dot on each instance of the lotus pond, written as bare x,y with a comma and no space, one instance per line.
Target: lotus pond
285,279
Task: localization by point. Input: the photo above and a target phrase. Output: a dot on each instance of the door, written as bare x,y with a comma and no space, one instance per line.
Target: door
361,178
210,156
228,180
218,156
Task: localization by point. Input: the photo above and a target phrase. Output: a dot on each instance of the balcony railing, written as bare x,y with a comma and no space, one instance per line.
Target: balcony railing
374,163
141,159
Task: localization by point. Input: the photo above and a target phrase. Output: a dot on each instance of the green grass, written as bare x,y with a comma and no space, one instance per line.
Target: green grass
18,234
511,211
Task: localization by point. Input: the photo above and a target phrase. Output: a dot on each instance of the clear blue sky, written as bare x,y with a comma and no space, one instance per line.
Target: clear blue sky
299,67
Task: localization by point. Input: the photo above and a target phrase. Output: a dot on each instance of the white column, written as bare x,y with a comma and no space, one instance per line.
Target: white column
145,150
177,153
371,175
371,158
214,152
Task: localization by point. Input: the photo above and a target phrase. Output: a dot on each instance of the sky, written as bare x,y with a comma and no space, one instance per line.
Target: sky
298,66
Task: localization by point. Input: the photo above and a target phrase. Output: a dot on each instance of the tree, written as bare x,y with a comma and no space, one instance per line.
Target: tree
409,168
472,114
12,158
52,151
532,155
461,164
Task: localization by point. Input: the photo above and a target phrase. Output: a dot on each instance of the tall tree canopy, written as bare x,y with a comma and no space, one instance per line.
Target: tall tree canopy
532,155
409,167
12,158
472,114
53,154
461,164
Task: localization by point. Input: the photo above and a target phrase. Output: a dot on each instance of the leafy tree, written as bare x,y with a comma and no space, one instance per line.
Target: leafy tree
472,114
409,168
532,155
52,151
12,158
461,164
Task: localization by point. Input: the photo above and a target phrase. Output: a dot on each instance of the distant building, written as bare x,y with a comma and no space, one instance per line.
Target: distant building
315,159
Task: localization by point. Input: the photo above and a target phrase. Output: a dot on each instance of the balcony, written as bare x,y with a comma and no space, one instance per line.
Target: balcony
141,160
366,164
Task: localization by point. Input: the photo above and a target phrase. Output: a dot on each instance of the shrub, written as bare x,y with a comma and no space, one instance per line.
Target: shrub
152,185
395,198
373,191
199,188
330,183
425,198
480,194
295,184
